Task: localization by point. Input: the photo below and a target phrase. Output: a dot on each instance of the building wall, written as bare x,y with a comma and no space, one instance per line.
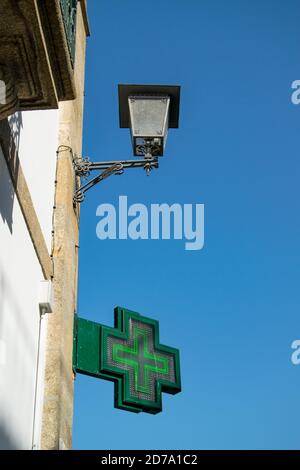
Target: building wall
37,153
35,135
59,378
36,408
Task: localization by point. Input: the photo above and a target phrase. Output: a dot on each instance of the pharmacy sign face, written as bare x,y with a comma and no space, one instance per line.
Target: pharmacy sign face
130,354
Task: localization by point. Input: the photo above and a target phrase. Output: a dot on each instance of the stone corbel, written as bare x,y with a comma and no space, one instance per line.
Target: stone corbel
35,60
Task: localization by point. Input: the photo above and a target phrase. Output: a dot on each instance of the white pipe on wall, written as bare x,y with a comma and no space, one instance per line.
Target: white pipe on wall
39,387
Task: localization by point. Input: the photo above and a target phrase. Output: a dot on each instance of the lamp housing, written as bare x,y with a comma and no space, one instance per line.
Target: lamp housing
149,111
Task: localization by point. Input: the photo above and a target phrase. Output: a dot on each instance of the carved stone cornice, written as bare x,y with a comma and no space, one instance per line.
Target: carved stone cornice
35,53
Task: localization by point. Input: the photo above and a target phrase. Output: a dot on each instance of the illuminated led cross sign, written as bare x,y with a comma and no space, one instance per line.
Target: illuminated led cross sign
131,356
144,367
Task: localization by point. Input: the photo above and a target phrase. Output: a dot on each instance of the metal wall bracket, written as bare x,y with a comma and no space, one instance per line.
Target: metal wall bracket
83,167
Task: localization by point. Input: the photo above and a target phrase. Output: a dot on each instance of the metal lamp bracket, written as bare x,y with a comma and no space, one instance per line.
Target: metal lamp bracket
83,167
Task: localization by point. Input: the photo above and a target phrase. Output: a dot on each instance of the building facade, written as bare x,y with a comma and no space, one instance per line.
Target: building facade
42,61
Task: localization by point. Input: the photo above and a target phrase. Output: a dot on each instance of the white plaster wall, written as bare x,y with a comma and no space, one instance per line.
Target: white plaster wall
20,275
36,135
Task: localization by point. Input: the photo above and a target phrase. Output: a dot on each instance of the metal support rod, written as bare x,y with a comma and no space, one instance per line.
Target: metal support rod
83,167
124,163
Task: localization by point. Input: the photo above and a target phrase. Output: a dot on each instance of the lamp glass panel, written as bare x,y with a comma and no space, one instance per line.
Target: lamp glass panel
149,115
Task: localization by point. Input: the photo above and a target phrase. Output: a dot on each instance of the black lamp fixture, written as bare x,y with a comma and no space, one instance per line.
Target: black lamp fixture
149,111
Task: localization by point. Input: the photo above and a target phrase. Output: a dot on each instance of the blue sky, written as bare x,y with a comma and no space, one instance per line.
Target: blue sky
232,308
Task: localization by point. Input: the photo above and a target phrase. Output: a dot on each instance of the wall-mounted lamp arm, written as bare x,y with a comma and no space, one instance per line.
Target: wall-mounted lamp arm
112,170
83,168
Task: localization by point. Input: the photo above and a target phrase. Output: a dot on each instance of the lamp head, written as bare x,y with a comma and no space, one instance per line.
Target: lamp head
149,111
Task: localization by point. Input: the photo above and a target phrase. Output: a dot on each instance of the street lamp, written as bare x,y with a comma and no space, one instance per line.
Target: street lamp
149,111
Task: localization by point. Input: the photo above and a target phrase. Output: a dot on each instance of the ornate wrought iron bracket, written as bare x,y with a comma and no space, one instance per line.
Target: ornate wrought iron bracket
83,168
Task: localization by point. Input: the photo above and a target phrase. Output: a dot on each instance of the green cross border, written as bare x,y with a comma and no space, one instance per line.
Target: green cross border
120,353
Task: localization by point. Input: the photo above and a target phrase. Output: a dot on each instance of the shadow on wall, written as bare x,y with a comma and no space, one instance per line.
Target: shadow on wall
6,442
15,124
9,139
7,195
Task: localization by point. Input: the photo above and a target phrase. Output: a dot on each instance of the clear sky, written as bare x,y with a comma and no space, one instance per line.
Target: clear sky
232,308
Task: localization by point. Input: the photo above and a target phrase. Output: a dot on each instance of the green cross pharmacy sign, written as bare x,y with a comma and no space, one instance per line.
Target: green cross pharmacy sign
130,355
